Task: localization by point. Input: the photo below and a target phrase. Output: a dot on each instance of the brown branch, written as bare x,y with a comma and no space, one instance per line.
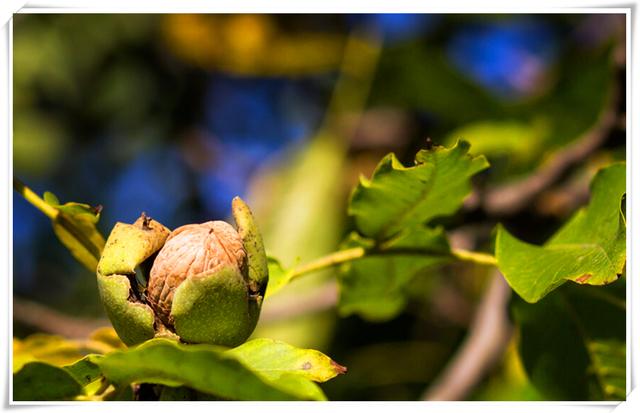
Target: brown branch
510,198
488,337
51,321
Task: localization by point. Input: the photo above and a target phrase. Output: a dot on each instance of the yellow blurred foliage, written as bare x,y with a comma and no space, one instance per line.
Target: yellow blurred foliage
250,45
59,351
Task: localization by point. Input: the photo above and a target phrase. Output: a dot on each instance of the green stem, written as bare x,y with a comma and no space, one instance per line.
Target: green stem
330,260
34,199
476,257
353,254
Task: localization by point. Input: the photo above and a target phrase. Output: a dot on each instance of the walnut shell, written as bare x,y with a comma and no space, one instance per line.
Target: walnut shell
193,250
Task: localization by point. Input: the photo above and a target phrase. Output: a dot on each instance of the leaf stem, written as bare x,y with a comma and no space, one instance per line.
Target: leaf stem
476,257
34,199
330,260
351,254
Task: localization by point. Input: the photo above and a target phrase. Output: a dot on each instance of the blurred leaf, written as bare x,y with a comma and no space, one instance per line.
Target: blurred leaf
51,349
583,88
39,143
518,141
59,351
419,76
75,226
278,276
205,368
589,249
120,393
397,196
572,342
251,45
375,287
38,381
107,337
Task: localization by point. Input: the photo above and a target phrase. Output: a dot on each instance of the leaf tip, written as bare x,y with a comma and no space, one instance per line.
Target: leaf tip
337,368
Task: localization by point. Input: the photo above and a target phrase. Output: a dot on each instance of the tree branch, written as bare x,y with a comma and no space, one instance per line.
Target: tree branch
512,197
488,336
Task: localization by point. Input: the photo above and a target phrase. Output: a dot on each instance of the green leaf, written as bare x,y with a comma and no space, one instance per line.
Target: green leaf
517,141
50,349
274,359
589,249
38,381
572,342
75,227
290,367
376,286
397,196
84,371
206,368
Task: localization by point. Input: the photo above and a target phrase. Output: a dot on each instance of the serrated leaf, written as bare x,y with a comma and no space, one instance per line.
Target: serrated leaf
589,249
206,368
572,342
397,196
375,287
38,381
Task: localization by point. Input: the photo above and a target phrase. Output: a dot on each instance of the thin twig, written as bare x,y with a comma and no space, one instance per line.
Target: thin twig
513,197
327,261
475,257
52,321
488,336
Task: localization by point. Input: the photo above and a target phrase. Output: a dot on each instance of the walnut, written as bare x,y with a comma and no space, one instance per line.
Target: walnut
205,284
193,250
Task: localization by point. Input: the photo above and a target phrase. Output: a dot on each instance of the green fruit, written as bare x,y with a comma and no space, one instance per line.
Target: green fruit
205,285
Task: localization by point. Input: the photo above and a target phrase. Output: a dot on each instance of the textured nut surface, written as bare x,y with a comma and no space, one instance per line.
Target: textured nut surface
190,251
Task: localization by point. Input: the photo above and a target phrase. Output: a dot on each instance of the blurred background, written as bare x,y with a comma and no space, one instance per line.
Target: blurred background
174,115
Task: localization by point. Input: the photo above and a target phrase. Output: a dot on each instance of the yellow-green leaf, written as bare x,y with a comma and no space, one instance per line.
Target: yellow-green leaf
273,359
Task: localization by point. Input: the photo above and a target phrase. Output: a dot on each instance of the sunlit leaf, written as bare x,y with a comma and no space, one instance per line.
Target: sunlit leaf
274,358
589,249
572,342
47,348
397,196
289,367
375,287
75,226
204,368
515,140
108,338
